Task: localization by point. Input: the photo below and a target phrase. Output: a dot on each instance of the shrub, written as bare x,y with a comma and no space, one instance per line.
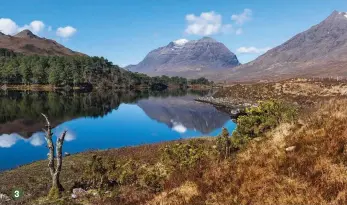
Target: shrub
125,173
95,172
183,155
153,177
266,116
224,143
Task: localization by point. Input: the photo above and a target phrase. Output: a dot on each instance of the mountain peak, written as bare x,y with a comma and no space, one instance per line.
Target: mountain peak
26,34
181,42
27,43
337,15
207,39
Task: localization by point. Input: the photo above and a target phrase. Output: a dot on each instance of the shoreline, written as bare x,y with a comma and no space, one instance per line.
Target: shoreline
234,109
52,88
100,151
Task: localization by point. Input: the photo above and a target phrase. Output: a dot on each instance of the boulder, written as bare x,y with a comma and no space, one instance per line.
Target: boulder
290,149
4,198
78,192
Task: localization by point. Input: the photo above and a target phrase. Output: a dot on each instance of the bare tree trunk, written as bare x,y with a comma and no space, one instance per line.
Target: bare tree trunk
59,151
50,146
54,171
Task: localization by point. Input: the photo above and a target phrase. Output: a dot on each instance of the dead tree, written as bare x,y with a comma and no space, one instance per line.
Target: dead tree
54,170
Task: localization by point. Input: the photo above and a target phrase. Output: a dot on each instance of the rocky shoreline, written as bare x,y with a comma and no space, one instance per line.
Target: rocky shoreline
232,107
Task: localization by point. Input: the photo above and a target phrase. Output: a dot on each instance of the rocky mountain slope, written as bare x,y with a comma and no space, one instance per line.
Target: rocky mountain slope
28,43
321,51
187,58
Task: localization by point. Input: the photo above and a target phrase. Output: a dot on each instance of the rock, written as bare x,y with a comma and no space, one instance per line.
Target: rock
290,149
257,139
78,192
67,154
4,198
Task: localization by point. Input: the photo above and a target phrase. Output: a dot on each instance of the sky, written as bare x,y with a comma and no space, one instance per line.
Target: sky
124,31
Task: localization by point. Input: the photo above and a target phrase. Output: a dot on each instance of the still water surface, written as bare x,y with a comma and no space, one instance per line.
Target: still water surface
100,121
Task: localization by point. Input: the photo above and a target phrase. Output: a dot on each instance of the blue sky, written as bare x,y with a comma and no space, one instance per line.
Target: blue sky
124,31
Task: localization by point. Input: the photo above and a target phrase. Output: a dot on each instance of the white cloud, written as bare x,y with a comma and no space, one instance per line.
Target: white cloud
208,23
245,16
35,27
9,27
66,32
239,31
7,141
70,137
178,127
37,139
252,50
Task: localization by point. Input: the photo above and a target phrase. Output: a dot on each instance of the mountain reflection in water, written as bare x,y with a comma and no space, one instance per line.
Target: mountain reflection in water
180,113
101,120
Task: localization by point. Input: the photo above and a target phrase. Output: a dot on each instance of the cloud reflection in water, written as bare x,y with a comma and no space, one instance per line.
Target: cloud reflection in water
36,140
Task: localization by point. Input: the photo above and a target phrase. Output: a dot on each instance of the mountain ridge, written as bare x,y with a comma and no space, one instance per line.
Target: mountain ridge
320,51
27,43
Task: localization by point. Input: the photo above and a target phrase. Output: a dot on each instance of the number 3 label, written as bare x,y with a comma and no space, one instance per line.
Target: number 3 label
17,194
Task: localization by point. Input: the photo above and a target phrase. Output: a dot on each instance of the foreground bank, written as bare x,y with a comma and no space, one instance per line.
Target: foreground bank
274,157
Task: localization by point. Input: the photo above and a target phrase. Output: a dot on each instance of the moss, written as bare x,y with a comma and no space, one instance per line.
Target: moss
54,193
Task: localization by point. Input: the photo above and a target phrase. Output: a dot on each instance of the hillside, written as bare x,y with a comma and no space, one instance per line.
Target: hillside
321,51
29,44
187,58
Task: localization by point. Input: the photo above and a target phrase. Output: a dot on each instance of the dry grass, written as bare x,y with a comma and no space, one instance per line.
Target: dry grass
303,92
315,173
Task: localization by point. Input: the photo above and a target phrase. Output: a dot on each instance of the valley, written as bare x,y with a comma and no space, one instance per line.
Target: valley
188,124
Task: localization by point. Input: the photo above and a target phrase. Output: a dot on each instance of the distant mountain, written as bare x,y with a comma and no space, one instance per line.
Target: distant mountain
28,43
320,51
187,58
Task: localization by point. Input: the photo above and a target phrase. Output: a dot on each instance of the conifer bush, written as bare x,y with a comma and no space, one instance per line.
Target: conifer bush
183,155
264,117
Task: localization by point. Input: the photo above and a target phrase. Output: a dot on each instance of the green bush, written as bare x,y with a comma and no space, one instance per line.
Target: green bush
183,155
266,116
126,172
111,172
153,177
224,143
255,123
95,172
